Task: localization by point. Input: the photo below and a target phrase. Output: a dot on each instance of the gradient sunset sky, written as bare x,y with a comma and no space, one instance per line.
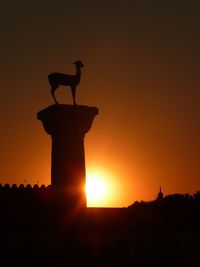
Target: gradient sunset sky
142,65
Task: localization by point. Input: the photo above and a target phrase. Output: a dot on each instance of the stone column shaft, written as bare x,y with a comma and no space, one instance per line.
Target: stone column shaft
67,126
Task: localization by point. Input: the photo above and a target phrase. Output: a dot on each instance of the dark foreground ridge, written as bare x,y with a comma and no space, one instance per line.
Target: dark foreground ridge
38,228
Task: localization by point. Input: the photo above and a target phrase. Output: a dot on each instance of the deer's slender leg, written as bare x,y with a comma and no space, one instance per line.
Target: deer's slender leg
73,89
53,95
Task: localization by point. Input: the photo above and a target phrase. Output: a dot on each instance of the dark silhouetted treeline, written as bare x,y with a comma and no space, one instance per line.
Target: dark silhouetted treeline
42,227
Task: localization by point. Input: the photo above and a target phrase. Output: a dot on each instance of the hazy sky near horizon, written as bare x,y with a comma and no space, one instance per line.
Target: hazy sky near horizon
141,70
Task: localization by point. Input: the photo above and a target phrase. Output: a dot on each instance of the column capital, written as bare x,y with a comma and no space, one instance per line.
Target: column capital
67,120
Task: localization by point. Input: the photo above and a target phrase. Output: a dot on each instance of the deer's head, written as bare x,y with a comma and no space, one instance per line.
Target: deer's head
79,64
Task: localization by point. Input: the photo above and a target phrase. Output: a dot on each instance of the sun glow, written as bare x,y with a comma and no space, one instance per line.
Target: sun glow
97,188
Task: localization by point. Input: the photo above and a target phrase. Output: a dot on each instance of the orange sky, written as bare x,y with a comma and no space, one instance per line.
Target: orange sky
141,71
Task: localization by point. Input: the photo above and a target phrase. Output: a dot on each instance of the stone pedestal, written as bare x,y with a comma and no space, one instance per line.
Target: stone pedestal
67,125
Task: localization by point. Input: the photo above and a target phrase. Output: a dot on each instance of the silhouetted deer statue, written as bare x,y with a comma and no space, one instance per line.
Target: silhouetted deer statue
56,79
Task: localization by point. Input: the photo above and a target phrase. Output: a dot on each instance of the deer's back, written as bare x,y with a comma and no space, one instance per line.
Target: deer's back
56,78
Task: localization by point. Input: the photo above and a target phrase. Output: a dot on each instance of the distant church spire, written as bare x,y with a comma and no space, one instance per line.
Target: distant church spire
160,194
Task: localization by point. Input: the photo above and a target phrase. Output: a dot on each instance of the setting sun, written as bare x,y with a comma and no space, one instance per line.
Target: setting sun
97,188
